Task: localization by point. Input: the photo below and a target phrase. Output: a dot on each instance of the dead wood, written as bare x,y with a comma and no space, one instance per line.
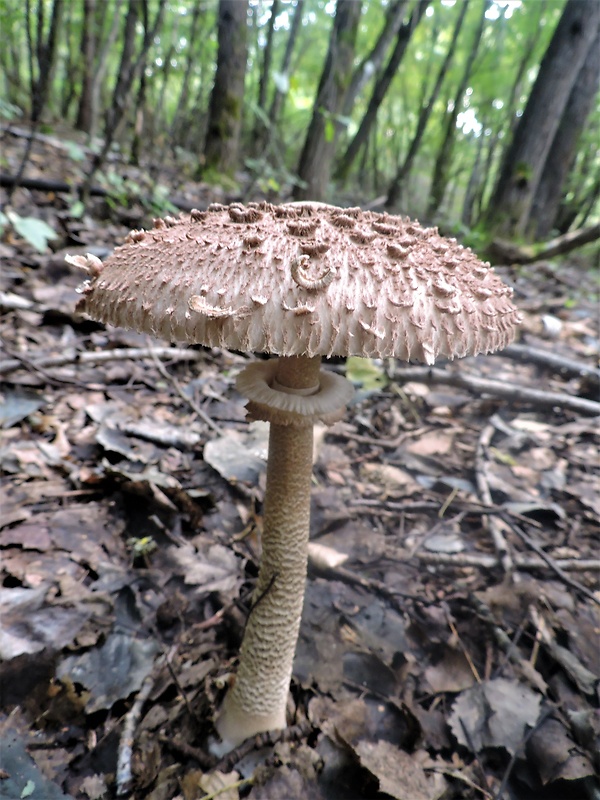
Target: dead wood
545,358
501,251
508,391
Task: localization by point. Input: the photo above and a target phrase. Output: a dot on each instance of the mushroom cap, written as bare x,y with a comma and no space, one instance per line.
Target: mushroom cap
302,279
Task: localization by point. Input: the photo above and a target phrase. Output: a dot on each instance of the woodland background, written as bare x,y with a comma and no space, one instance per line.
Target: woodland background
480,114
449,642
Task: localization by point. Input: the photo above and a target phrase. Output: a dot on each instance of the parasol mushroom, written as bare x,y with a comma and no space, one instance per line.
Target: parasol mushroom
300,281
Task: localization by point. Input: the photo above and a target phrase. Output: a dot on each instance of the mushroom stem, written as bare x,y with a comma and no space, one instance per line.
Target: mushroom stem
257,702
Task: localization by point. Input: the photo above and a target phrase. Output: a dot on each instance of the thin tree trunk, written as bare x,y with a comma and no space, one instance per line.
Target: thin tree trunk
280,95
371,63
395,189
561,156
524,160
184,94
100,67
474,181
45,52
130,66
260,132
88,51
444,157
314,168
222,143
380,89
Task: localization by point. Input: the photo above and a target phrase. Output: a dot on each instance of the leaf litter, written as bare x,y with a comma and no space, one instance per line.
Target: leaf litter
130,533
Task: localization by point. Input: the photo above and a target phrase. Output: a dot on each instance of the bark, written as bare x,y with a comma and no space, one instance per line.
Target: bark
314,168
444,157
561,157
395,189
221,148
380,89
524,160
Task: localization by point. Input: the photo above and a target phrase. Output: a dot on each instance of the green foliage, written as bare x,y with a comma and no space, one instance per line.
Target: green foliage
179,71
366,373
9,111
35,231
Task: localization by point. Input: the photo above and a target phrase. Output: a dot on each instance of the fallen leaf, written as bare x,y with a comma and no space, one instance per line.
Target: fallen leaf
399,774
494,713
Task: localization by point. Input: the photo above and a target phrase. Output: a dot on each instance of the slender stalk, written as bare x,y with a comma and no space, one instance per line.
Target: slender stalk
257,702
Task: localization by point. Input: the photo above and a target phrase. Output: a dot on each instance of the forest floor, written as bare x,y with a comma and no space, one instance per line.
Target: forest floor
450,639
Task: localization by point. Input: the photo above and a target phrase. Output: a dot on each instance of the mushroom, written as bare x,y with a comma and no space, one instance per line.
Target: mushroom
299,281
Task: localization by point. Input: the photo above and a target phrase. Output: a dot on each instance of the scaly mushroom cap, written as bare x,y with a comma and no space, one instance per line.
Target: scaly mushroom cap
302,279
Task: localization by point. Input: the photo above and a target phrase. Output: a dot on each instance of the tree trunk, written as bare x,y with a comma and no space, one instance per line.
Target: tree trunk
45,56
130,66
561,156
88,51
314,168
260,134
443,161
524,160
371,63
380,89
222,143
395,189
279,96
177,124
474,182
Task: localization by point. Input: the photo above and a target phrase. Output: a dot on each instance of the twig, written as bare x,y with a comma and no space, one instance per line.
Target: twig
484,491
523,563
507,646
547,712
546,358
177,386
269,739
586,681
370,584
509,391
101,356
550,561
124,772
205,760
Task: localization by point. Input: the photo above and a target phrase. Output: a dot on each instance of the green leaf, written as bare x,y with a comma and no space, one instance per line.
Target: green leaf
75,151
365,373
329,131
35,231
28,789
77,209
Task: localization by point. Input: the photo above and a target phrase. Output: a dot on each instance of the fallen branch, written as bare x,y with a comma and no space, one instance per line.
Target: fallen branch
549,560
432,376
545,358
523,563
124,775
62,187
503,251
495,526
102,356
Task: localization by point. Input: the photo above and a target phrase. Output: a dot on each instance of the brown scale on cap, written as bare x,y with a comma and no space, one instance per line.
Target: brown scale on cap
336,282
